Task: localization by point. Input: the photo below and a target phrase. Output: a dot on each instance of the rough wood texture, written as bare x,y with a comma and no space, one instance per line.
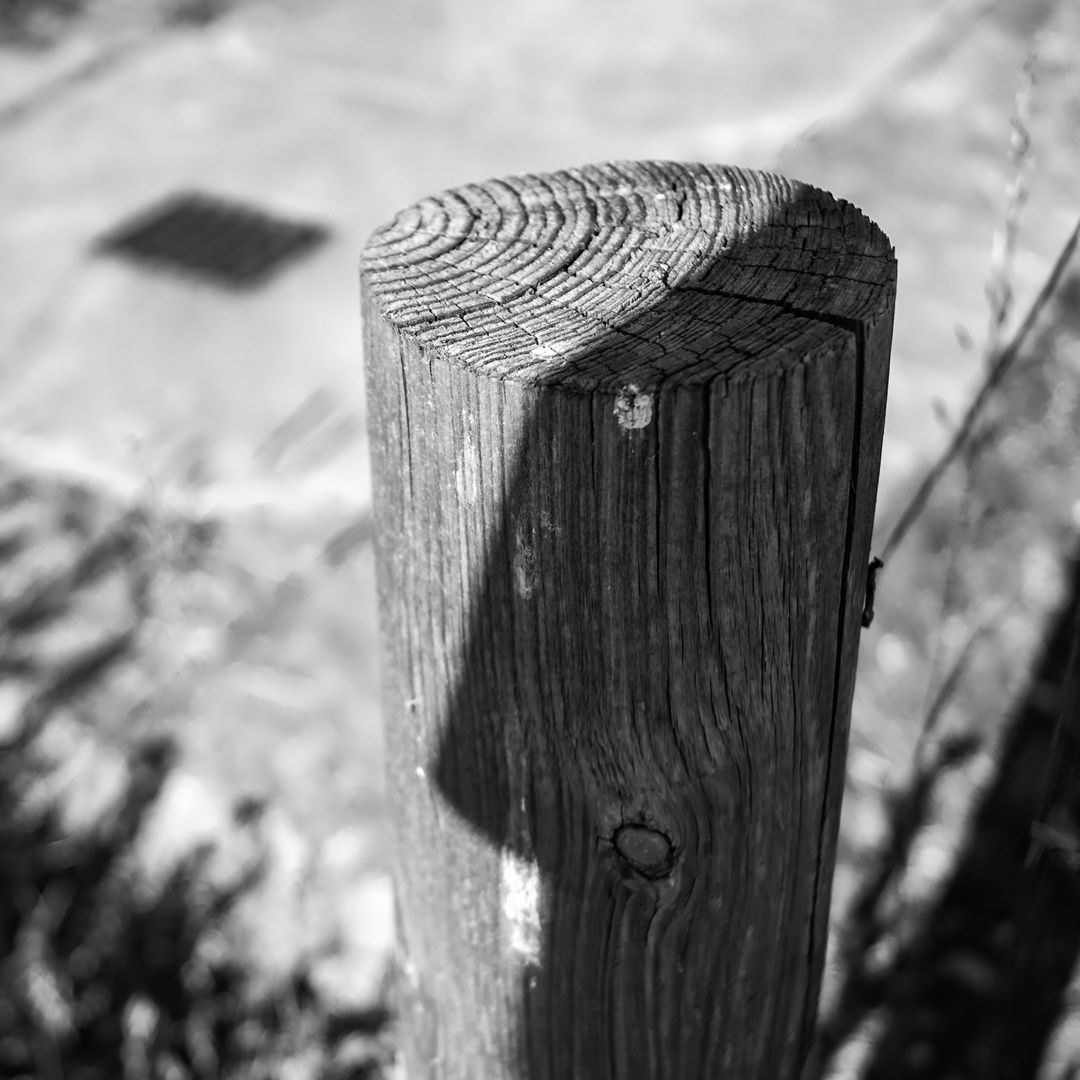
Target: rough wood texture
626,424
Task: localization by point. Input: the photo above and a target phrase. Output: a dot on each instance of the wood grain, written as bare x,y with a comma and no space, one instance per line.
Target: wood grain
626,425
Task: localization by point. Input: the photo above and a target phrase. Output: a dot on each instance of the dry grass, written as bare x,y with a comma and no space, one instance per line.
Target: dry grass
137,894
975,568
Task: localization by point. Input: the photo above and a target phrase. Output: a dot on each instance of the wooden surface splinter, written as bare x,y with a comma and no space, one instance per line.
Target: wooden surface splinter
626,425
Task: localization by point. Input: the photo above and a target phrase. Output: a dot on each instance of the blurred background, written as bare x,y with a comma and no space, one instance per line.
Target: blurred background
195,420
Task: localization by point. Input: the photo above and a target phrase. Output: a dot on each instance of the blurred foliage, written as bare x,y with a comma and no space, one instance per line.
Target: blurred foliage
105,971
965,662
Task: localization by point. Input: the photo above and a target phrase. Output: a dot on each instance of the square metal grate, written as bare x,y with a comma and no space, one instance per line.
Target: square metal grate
224,242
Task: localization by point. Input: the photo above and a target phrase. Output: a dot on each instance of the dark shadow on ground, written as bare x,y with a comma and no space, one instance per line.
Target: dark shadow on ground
978,993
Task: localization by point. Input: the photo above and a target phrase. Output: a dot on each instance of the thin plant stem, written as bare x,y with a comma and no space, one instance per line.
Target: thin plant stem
951,682
996,371
999,290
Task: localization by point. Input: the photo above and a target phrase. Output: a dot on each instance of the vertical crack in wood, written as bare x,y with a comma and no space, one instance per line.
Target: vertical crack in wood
706,481
408,425
853,507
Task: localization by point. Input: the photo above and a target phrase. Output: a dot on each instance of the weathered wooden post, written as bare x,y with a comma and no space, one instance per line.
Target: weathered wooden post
626,424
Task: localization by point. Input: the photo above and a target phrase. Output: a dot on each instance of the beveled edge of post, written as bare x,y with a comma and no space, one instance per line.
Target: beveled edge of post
629,273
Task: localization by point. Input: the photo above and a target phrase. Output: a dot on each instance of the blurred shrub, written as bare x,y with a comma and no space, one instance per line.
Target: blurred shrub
106,968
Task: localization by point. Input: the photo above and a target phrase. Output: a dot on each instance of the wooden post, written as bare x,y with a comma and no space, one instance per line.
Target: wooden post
626,424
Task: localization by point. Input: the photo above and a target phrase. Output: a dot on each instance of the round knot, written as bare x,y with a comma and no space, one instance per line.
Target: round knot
647,850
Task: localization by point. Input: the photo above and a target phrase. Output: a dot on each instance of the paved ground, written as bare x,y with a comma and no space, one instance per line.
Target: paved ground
342,112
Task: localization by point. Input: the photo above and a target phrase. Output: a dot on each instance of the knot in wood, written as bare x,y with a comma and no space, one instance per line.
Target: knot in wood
647,850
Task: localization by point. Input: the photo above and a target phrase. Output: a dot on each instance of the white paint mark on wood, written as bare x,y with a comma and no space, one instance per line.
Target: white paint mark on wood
520,891
523,581
633,409
524,567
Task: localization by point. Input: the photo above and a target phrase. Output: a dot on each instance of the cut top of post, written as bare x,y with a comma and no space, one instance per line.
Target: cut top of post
631,273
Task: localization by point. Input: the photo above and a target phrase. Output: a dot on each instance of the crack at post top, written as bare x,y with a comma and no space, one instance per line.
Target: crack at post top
629,273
